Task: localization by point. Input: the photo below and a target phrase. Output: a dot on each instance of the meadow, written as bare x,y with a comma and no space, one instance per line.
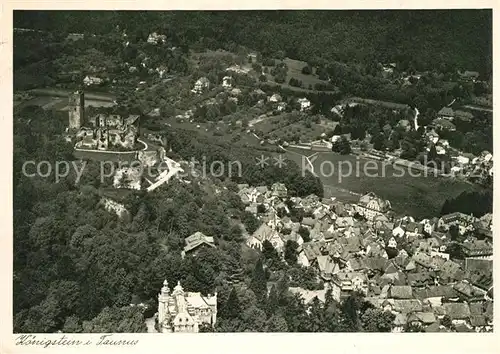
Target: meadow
280,127
418,196
58,99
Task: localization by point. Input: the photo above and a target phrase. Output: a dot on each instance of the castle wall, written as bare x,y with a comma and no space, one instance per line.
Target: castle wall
128,177
148,158
115,207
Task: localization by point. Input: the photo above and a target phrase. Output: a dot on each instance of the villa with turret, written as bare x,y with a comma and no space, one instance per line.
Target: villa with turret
180,311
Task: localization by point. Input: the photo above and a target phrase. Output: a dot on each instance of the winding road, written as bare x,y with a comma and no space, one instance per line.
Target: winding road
415,119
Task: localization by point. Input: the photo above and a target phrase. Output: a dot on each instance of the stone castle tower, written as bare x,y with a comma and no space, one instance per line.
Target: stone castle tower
76,110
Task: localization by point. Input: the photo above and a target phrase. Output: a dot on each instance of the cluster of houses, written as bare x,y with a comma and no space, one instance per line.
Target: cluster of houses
400,264
465,164
447,115
275,100
475,168
389,71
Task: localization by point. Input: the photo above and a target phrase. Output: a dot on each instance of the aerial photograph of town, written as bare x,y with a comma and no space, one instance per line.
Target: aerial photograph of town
252,171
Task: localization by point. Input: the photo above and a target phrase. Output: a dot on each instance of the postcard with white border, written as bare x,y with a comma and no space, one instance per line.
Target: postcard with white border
218,178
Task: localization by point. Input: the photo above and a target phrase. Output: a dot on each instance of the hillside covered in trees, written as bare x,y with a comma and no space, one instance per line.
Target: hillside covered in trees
422,40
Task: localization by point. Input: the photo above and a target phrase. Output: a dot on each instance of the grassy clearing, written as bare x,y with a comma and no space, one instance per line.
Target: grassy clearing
57,99
295,70
51,92
306,133
269,124
419,196
105,156
279,127
217,131
386,104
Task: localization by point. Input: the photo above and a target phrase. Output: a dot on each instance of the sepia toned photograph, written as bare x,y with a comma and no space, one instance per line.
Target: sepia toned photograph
252,171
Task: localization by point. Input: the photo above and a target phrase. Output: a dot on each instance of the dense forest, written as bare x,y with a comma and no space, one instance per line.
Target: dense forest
423,40
346,49
77,267
186,146
475,203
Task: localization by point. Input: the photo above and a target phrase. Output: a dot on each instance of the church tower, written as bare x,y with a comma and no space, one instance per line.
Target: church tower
76,110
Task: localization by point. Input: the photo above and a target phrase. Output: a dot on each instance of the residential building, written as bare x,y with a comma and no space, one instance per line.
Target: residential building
458,312
263,233
227,82
478,249
446,113
281,106
469,75
457,218
400,292
92,80
432,136
392,243
201,85
279,190
464,115
345,283
275,98
371,205
443,124
414,229
196,242
305,104
421,319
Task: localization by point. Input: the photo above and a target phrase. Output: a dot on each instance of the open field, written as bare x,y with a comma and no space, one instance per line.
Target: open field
268,124
60,104
278,127
96,96
220,131
420,196
386,104
310,133
57,99
114,156
295,70
289,87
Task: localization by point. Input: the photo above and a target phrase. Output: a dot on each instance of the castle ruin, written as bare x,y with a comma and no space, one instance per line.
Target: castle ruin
101,132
